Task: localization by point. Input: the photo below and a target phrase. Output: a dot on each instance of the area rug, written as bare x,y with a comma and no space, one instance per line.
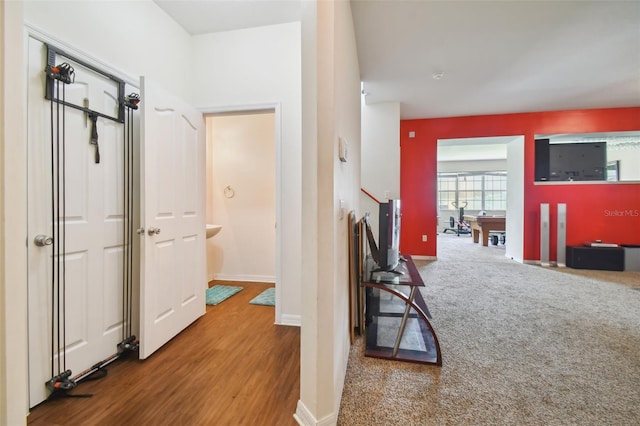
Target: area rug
266,298
219,293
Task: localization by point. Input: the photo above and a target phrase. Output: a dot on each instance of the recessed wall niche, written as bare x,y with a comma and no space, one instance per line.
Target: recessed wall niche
582,157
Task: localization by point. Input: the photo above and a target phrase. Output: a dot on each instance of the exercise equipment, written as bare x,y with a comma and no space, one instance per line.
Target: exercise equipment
94,135
57,77
497,237
61,380
129,341
458,226
65,73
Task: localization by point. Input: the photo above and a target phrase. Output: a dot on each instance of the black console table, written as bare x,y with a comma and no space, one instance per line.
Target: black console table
396,318
600,258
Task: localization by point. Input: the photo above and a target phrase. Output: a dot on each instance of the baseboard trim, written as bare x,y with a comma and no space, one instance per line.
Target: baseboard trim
515,259
289,319
246,278
418,257
551,263
304,417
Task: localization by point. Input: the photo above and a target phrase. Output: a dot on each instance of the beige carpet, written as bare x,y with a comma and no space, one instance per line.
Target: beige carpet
521,345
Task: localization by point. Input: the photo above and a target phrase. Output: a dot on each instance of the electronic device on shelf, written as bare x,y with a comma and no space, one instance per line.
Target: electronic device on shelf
386,254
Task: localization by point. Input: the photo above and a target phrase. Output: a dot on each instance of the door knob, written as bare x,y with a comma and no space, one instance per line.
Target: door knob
43,240
153,230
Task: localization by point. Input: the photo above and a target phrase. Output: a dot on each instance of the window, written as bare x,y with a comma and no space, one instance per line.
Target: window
470,190
480,191
447,192
495,192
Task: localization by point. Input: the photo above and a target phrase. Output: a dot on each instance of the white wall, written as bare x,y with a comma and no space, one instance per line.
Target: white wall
346,183
3,345
331,105
261,67
242,153
381,150
134,37
515,200
312,385
13,213
629,162
472,166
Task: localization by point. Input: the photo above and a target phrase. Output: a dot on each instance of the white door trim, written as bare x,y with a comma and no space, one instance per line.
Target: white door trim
13,265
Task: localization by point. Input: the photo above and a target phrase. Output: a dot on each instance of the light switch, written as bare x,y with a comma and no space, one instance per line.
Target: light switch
343,147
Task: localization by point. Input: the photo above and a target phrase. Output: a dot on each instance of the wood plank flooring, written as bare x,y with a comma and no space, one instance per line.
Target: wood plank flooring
233,366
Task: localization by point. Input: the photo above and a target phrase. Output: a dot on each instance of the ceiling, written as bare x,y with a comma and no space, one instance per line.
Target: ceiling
210,16
499,56
491,57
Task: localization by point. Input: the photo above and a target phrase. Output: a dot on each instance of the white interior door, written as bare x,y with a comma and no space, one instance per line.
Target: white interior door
173,269
93,219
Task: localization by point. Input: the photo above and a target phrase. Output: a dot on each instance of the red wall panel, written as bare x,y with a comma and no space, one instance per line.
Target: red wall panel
594,210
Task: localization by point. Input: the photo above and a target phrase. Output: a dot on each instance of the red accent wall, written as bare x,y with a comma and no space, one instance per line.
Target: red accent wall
604,211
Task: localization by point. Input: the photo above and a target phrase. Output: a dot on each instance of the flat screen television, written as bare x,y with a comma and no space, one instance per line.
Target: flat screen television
582,161
578,161
386,254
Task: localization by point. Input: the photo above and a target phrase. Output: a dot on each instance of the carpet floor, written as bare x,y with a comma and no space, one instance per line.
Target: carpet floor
521,345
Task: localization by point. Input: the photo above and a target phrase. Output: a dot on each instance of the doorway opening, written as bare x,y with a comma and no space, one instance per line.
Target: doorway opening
475,173
243,196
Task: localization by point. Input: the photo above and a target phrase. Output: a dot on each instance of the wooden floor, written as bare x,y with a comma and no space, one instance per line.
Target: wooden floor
233,366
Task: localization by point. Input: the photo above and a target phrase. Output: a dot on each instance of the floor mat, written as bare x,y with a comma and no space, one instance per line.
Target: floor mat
266,298
219,293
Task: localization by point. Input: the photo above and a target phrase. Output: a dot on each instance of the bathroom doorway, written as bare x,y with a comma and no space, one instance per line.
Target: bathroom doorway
242,196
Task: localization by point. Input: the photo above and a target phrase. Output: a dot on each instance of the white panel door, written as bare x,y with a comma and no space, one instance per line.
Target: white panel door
173,269
93,218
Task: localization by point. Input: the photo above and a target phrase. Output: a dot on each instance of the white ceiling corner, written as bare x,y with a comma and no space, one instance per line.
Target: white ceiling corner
208,16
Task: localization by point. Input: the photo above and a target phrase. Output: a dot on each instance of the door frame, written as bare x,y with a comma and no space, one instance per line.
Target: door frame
275,107
514,249
14,383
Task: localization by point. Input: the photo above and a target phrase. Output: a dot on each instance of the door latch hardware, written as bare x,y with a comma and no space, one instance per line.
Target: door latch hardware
43,240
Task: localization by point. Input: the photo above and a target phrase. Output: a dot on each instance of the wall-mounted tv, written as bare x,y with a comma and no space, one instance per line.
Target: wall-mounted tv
581,161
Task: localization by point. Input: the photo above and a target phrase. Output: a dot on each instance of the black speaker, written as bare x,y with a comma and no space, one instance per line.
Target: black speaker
542,160
601,258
